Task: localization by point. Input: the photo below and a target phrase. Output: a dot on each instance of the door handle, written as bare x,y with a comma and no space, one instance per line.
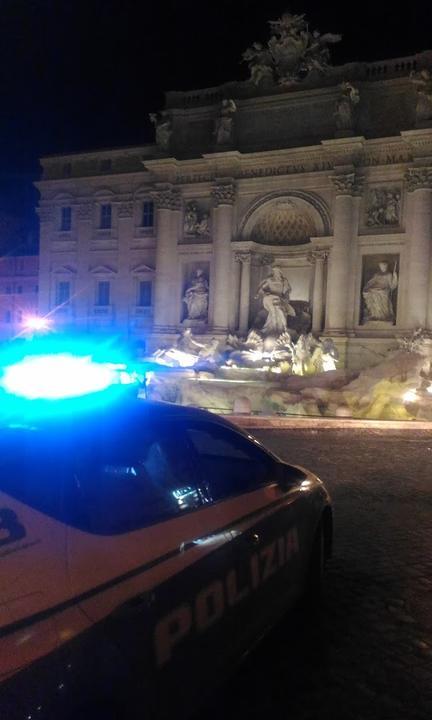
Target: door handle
254,539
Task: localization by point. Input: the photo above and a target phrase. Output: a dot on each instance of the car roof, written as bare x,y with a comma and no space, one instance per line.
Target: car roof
136,408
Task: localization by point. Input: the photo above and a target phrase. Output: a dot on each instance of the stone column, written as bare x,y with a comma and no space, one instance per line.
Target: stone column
318,258
244,258
85,283
224,196
167,201
419,283
346,187
125,298
46,224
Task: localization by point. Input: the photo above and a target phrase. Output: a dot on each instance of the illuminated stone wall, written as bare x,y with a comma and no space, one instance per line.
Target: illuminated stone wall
344,215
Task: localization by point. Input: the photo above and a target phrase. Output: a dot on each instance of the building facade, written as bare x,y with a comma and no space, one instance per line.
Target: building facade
296,198
19,279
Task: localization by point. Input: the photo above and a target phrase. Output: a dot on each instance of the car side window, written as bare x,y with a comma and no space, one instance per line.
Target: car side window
33,468
132,479
228,463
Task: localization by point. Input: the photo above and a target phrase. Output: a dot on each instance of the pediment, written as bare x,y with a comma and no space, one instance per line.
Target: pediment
142,268
64,270
102,270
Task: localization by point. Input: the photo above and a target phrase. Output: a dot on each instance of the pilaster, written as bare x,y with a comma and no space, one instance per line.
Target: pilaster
347,187
318,259
168,204
244,258
419,306
224,193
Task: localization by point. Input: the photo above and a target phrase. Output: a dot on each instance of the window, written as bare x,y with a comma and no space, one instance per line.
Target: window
105,165
228,463
8,289
19,316
103,292
63,292
105,217
66,219
148,214
144,293
130,475
36,288
32,468
19,289
8,316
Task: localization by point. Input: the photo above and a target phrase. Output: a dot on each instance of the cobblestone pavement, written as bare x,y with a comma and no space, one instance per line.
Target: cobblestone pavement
367,654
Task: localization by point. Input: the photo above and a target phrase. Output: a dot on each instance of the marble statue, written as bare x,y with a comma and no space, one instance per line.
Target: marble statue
346,104
324,356
259,61
194,224
422,80
274,291
245,353
163,128
384,207
196,296
187,352
292,51
377,294
224,125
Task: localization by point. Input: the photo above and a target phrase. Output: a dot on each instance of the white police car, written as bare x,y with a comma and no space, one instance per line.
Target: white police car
143,549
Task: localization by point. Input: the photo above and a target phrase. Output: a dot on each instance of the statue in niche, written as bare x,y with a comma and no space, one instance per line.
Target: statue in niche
196,296
422,80
346,104
384,207
377,294
193,223
274,291
163,129
224,126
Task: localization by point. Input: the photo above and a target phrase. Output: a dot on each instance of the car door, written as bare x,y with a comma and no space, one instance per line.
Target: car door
257,499
33,582
147,561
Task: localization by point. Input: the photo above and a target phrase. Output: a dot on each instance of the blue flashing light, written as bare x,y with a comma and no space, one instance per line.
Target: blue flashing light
61,376
42,378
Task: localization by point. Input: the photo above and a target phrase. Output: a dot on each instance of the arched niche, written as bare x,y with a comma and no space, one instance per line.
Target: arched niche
286,219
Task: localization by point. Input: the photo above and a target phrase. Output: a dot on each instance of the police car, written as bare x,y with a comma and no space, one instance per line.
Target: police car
144,548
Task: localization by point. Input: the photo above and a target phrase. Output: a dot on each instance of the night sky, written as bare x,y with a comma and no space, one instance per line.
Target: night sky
83,74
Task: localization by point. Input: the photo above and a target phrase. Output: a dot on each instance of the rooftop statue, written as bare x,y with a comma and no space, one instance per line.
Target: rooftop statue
163,129
224,125
292,52
346,104
422,80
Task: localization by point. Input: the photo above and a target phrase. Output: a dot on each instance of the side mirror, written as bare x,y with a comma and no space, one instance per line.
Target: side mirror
288,476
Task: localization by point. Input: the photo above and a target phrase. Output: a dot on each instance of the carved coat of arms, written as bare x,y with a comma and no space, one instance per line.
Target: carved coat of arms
291,53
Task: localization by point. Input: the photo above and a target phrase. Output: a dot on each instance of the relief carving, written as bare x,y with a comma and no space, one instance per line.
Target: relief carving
383,207
418,178
196,222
